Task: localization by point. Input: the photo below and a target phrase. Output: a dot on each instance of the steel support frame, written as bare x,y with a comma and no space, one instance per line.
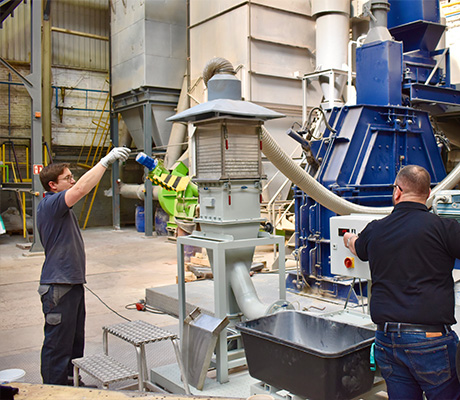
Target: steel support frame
331,74
219,248
33,84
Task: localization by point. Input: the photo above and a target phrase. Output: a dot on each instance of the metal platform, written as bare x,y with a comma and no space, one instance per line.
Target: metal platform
201,294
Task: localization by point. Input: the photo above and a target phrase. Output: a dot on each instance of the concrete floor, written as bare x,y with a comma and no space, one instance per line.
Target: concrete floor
120,266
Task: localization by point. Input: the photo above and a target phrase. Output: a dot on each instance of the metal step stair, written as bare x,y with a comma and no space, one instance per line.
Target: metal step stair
103,368
137,333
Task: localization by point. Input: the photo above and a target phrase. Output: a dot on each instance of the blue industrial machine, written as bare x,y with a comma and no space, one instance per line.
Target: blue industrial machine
399,83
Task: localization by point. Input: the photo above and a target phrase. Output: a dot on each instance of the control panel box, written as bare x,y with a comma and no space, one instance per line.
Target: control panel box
343,261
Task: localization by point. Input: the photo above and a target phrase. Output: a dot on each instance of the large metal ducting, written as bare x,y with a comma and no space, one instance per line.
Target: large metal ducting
148,64
332,33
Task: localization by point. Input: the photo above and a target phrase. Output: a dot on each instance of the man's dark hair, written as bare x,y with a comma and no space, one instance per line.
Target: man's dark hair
51,173
414,179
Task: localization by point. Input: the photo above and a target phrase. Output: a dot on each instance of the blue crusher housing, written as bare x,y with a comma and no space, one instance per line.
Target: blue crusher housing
376,137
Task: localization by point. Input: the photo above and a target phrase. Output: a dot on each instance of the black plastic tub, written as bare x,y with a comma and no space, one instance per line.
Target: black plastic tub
309,356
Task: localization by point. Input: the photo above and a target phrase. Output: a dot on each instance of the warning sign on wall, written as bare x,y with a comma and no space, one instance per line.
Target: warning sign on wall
37,168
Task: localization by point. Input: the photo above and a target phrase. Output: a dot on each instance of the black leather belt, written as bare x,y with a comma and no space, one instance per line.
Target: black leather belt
404,327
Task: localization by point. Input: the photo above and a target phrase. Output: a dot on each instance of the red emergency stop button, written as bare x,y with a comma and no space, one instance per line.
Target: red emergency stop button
349,262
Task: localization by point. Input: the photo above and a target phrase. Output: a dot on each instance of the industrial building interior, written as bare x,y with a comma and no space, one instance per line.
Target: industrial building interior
259,129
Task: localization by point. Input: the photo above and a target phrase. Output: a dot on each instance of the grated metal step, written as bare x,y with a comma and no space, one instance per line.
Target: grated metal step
104,368
139,332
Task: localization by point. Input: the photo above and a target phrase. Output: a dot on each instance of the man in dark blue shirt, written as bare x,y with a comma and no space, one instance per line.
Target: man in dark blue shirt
411,255
63,272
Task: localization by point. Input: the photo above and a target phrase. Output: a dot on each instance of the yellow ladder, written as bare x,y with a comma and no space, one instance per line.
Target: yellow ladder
100,139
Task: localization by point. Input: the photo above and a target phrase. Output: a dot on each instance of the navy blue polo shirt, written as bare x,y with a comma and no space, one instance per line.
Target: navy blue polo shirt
65,260
411,254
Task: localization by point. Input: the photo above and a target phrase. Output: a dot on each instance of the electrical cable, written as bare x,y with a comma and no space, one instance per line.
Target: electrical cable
142,306
111,309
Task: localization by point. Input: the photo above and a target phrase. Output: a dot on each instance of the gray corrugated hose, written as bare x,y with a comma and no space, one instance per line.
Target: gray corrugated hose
324,196
309,184
217,65
447,183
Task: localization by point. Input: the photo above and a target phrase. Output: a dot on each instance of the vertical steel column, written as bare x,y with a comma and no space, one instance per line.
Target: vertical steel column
115,173
220,311
35,92
46,71
148,199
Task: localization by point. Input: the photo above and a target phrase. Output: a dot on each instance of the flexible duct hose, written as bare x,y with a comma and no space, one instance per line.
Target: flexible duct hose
447,183
309,184
217,65
324,196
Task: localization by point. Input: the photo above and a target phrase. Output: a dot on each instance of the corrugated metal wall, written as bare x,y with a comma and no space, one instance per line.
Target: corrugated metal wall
88,16
15,35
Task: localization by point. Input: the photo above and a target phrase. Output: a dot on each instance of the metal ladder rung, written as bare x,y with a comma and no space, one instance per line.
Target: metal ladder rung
104,368
102,124
84,165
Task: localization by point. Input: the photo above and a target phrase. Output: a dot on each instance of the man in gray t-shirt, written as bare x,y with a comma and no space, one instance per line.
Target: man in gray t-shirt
63,273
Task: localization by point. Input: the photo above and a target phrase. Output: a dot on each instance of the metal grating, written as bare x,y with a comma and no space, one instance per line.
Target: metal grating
230,154
139,332
104,368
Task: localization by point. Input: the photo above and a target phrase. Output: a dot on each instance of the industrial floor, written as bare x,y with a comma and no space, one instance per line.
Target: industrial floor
121,267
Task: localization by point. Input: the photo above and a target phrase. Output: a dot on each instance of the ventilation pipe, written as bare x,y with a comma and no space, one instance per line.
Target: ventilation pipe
135,191
332,33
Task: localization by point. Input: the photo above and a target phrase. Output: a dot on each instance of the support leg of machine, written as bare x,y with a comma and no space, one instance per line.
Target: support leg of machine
282,270
181,366
181,286
105,342
220,311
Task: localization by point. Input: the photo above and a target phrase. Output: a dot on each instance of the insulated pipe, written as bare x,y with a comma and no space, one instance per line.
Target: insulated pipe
324,196
332,32
178,130
134,191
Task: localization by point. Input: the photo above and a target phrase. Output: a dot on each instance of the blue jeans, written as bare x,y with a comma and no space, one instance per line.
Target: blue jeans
413,364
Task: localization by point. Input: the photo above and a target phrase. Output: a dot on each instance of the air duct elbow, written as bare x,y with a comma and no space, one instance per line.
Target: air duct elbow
244,291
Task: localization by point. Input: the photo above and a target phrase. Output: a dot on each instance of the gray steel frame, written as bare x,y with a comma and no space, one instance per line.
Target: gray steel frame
33,84
219,247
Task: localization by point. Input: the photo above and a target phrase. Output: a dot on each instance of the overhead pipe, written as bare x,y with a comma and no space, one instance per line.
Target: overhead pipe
324,196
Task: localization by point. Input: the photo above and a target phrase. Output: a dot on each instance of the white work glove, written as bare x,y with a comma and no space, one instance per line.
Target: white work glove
117,153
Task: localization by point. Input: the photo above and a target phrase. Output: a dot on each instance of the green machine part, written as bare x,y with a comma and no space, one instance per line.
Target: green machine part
178,196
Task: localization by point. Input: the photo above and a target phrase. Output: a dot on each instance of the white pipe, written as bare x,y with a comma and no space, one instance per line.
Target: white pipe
244,291
178,130
135,191
332,26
